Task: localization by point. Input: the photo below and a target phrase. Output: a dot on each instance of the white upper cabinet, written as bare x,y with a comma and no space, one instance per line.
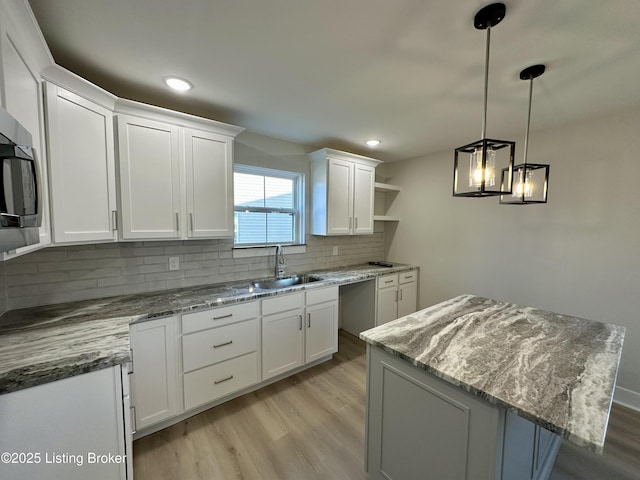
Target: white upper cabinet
81,168
176,174
149,160
209,182
21,95
343,193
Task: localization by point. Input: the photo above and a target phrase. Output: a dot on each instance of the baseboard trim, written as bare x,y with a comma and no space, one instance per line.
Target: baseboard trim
627,398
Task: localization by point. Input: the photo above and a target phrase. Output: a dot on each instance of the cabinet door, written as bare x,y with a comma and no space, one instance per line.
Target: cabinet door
149,178
21,90
340,197
407,298
209,172
82,168
282,342
363,199
321,333
153,381
386,305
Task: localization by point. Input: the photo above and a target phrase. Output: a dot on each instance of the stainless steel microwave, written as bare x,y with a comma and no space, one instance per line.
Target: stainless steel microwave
20,202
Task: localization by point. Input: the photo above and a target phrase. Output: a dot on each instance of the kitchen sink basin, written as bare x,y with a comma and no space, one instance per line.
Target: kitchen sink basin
273,283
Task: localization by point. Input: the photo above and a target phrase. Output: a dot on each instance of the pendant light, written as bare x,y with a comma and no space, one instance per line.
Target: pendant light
530,180
477,164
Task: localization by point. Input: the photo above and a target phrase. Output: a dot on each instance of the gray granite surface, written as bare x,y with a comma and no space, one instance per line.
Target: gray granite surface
44,344
555,370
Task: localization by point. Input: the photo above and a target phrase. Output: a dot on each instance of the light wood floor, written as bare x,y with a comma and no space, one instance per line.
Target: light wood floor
311,426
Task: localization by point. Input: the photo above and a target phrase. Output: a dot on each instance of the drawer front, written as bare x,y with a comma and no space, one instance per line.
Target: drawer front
211,383
321,295
282,303
387,281
218,344
217,317
406,277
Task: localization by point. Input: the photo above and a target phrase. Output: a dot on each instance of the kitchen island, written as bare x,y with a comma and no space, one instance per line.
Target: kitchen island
477,389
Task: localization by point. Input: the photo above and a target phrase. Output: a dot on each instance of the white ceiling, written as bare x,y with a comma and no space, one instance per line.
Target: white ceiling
337,72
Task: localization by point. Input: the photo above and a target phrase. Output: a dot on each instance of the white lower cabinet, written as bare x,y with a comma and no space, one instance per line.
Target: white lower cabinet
63,430
220,359
154,391
396,296
209,383
321,333
282,334
298,329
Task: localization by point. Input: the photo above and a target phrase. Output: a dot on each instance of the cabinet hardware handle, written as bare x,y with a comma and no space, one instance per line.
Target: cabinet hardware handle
131,351
216,382
114,220
191,221
300,322
177,222
223,344
400,294
223,316
388,281
134,430
309,320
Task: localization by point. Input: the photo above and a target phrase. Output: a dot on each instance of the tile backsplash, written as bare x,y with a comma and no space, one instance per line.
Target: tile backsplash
63,274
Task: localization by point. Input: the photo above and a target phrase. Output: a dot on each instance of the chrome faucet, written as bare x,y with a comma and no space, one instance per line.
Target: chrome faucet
279,265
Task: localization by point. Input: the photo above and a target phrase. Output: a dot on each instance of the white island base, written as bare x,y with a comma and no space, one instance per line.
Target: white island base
421,427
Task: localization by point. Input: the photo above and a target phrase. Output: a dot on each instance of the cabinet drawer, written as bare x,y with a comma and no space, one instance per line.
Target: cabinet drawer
217,344
406,277
208,384
321,295
217,317
282,303
387,281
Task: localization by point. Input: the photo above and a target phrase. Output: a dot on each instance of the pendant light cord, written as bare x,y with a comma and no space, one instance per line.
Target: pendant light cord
486,84
526,134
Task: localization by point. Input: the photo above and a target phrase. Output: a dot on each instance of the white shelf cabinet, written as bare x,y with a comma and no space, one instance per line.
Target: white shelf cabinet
383,191
343,193
154,391
81,168
176,174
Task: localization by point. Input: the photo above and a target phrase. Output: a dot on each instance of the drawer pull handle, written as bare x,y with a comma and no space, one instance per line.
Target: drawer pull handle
300,316
223,344
388,281
309,320
223,316
216,382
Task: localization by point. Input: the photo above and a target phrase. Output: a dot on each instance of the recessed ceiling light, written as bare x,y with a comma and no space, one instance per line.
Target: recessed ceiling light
179,84
373,142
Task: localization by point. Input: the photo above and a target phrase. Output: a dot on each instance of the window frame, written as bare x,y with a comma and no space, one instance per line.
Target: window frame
298,200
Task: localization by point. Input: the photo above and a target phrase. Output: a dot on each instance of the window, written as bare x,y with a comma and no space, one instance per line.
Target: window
267,206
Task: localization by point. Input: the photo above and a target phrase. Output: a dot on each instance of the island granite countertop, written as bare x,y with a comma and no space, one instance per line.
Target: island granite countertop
43,344
554,370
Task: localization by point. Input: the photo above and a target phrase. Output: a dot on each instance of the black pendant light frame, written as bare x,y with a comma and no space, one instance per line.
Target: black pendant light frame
487,17
525,168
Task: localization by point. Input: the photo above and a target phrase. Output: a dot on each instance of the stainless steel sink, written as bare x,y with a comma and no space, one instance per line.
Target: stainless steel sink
274,283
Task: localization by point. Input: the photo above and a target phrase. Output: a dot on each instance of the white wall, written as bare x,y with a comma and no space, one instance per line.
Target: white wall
579,254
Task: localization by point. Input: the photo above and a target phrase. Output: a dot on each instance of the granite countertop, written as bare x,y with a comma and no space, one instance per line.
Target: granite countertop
555,370
48,343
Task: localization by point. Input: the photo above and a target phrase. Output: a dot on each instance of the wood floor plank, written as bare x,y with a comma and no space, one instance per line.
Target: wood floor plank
311,426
